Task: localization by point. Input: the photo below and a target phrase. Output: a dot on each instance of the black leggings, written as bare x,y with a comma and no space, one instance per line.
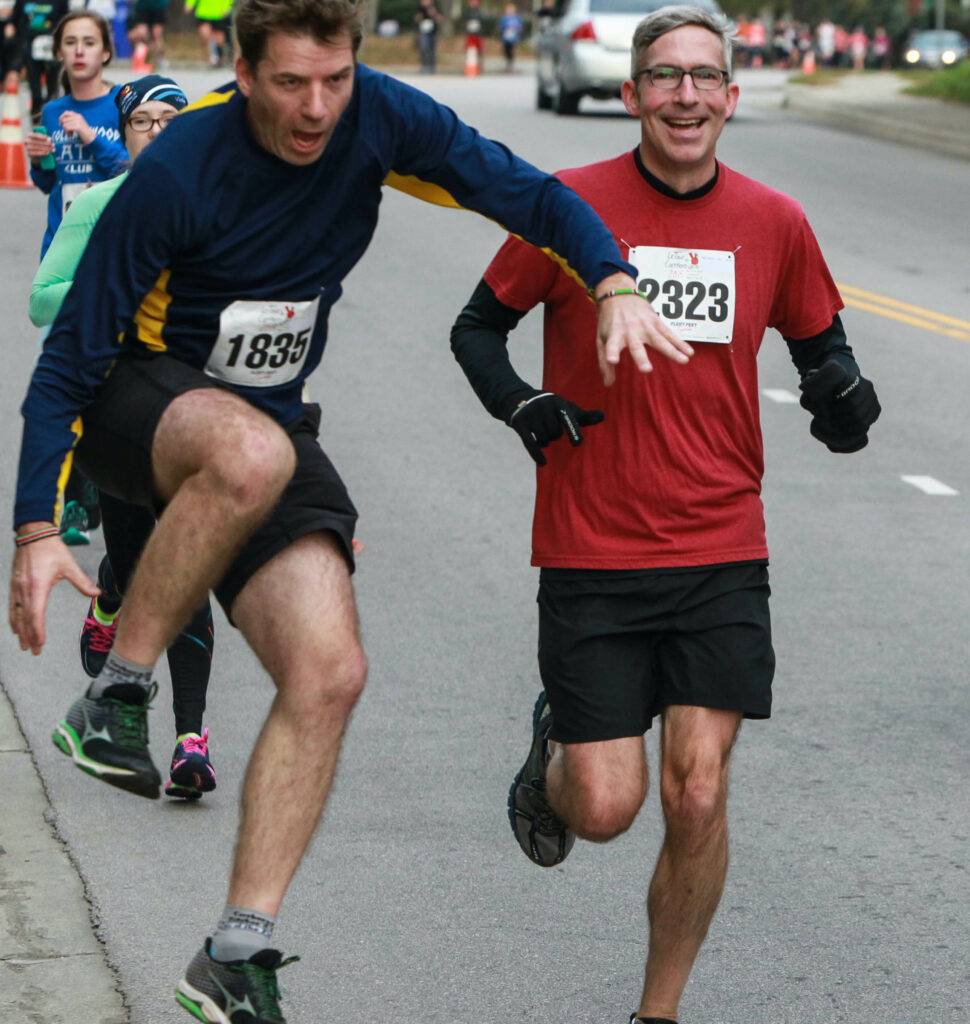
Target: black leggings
49,69
126,530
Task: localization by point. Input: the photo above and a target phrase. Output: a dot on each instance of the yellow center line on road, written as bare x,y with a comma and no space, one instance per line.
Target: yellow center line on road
904,312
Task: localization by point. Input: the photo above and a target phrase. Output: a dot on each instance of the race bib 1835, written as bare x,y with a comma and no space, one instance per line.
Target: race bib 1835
262,343
691,290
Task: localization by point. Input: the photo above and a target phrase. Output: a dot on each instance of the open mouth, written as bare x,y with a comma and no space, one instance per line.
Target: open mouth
307,142
683,124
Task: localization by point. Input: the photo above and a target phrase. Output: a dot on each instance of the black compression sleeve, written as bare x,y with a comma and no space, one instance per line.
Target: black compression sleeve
810,353
479,342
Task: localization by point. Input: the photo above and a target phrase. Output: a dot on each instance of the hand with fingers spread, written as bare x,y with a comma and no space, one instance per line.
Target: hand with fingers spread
540,417
627,321
37,566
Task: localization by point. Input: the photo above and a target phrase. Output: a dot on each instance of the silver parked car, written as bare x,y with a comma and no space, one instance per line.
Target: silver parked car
583,49
935,48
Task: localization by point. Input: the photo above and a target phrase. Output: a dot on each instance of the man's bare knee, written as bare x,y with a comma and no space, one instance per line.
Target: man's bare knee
694,800
217,436
253,466
600,813
316,685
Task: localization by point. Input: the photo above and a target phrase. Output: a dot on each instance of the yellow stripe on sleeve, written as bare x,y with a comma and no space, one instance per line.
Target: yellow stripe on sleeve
150,318
211,99
428,192
77,428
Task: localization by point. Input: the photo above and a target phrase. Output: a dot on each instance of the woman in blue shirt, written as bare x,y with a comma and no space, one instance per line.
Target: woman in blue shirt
81,126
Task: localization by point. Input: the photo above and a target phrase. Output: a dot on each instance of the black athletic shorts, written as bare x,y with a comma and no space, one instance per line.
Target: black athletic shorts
147,15
617,647
223,25
115,452
11,55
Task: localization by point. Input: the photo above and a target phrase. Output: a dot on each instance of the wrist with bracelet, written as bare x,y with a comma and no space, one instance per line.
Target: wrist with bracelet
613,292
23,539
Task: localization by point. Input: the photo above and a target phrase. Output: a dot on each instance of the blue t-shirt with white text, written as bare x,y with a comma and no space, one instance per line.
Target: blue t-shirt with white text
78,166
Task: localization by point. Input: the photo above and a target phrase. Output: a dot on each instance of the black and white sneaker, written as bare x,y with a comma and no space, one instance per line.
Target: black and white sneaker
634,1019
238,992
544,837
107,737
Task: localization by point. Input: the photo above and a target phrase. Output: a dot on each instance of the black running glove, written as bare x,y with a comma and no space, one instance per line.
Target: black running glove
843,406
539,417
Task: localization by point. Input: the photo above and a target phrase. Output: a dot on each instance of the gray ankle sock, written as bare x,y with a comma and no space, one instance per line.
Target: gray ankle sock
119,672
240,933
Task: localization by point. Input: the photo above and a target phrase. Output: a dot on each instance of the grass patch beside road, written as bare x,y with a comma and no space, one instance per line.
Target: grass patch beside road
951,84
823,76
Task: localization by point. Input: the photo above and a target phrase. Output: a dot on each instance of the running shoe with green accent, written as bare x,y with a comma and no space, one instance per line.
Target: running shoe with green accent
74,524
544,837
108,737
238,992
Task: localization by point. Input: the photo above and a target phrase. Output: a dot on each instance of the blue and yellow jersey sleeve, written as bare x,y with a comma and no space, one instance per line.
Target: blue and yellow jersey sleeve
129,251
436,157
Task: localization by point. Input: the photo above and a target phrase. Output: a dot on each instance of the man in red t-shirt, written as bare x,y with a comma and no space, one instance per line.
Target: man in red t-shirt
653,594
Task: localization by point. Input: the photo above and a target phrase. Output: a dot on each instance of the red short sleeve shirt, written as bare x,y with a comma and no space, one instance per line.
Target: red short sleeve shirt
672,478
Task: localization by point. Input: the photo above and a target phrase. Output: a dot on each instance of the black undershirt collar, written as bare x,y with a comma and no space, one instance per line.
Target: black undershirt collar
665,190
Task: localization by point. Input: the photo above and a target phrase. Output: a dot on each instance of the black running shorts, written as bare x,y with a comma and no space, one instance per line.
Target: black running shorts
115,452
617,647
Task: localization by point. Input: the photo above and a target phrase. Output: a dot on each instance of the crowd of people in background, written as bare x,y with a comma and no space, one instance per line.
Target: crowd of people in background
28,47
785,44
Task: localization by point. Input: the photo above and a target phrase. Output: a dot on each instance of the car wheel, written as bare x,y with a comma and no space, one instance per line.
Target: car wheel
567,102
543,99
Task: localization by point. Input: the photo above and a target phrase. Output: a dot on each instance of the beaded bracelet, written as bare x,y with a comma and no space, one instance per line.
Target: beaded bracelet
619,291
29,538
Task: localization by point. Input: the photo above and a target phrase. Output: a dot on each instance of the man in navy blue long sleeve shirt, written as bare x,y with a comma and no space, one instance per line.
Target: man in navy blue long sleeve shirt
174,373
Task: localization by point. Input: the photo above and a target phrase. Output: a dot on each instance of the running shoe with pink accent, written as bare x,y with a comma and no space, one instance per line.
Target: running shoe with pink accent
96,642
191,773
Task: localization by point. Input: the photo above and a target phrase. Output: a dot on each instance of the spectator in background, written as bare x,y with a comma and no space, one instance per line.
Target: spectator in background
35,21
881,47
213,20
510,28
742,31
80,131
825,34
148,28
782,44
757,42
803,35
474,28
841,59
858,48
11,52
427,18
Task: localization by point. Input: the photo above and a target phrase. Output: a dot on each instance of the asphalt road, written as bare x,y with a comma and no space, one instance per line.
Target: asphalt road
848,894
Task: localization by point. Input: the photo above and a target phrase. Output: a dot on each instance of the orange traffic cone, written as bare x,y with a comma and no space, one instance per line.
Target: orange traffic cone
13,155
473,66
808,63
139,60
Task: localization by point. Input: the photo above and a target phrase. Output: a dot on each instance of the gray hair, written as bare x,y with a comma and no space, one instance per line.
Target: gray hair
666,19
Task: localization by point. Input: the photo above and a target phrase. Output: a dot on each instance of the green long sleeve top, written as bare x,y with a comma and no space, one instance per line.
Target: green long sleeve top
55,275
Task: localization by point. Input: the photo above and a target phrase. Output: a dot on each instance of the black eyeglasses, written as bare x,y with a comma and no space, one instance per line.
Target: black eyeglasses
144,123
667,77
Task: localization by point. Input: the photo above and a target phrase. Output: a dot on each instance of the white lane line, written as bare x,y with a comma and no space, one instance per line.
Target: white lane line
780,395
929,485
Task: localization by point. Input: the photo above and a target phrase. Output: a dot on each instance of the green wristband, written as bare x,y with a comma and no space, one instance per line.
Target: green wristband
620,291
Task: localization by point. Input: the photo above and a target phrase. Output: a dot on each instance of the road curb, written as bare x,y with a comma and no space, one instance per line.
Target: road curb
905,122
52,967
